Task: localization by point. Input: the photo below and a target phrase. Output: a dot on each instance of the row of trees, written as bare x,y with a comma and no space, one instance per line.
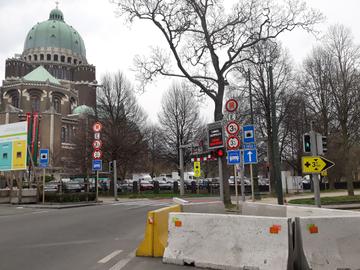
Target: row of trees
128,138
325,90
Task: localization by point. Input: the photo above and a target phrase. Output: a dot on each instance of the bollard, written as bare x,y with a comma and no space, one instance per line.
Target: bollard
156,187
176,187
135,187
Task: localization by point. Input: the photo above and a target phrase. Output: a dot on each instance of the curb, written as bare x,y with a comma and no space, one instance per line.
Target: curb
58,206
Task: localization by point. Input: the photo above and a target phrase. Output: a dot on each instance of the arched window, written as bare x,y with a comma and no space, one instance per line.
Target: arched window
35,103
69,60
57,104
29,57
35,57
41,57
48,57
56,57
63,58
15,100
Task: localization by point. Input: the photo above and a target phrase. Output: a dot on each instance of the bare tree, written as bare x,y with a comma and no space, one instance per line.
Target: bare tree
123,121
206,41
179,120
343,75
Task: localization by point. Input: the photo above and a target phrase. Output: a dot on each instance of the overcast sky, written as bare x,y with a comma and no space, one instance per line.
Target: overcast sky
111,44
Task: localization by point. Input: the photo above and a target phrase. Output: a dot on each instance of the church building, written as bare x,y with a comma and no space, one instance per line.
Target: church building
53,78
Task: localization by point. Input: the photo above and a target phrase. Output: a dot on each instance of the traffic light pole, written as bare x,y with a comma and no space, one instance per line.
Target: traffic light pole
315,177
221,179
115,180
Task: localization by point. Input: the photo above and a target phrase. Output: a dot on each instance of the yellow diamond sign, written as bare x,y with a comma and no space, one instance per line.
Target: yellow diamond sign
315,164
197,170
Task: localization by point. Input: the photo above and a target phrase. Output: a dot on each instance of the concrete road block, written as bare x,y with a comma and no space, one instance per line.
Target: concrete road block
229,241
327,243
264,210
300,211
216,207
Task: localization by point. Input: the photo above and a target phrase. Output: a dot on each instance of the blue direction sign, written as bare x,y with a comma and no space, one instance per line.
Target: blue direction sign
97,165
233,157
249,134
44,158
250,156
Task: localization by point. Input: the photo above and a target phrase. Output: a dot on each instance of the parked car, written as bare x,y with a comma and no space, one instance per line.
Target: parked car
165,185
146,185
72,186
51,186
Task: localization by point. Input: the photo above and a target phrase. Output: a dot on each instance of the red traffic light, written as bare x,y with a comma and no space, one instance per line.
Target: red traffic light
220,153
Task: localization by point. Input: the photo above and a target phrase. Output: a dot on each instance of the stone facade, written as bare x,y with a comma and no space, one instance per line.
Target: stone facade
70,83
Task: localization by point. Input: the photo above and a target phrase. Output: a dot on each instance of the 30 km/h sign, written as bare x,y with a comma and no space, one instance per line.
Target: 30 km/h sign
232,128
97,144
97,154
315,164
232,143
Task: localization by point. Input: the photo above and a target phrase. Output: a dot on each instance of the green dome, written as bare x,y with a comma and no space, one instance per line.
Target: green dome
55,33
83,109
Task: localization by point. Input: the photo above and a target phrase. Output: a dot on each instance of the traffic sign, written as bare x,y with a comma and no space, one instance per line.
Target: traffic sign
197,170
233,157
97,154
97,127
44,158
232,143
232,128
97,165
249,134
315,164
249,146
231,105
250,156
97,144
97,135
215,135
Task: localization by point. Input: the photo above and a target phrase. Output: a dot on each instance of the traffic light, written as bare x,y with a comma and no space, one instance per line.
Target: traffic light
324,144
307,143
218,153
111,166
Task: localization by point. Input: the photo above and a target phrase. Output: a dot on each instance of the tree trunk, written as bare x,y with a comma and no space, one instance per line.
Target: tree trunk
218,115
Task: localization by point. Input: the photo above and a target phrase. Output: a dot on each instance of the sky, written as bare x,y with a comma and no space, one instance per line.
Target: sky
111,44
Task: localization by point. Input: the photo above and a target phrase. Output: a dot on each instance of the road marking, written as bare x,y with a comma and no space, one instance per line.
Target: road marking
110,256
122,263
81,242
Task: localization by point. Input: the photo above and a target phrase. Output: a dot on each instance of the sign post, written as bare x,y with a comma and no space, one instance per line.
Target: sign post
250,157
97,155
44,163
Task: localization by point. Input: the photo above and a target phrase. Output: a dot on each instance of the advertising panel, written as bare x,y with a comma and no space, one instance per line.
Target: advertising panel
13,145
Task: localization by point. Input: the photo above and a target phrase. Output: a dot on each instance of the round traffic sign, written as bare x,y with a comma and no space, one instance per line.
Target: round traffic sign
97,127
97,154
232,143
232,128
97,144
231,105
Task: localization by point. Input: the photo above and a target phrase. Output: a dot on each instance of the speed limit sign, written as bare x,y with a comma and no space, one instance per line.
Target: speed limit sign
232,128
232,143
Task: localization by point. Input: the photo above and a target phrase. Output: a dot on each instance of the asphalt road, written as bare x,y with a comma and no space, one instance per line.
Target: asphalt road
88,238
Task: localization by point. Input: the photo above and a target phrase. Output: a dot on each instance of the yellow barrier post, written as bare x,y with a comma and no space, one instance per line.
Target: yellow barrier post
156,232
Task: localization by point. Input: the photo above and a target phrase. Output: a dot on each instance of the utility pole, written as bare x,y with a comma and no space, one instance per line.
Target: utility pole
315,177
275,142
181,167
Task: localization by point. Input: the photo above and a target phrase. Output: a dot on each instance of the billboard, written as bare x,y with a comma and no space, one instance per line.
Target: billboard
13,145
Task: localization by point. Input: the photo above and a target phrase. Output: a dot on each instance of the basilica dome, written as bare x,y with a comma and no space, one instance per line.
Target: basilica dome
55,36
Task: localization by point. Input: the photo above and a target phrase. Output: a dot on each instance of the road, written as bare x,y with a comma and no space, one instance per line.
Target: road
88,238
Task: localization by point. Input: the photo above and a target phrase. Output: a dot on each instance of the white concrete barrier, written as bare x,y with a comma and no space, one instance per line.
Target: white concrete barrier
216,207
229,241
327,243
300,211
262,209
